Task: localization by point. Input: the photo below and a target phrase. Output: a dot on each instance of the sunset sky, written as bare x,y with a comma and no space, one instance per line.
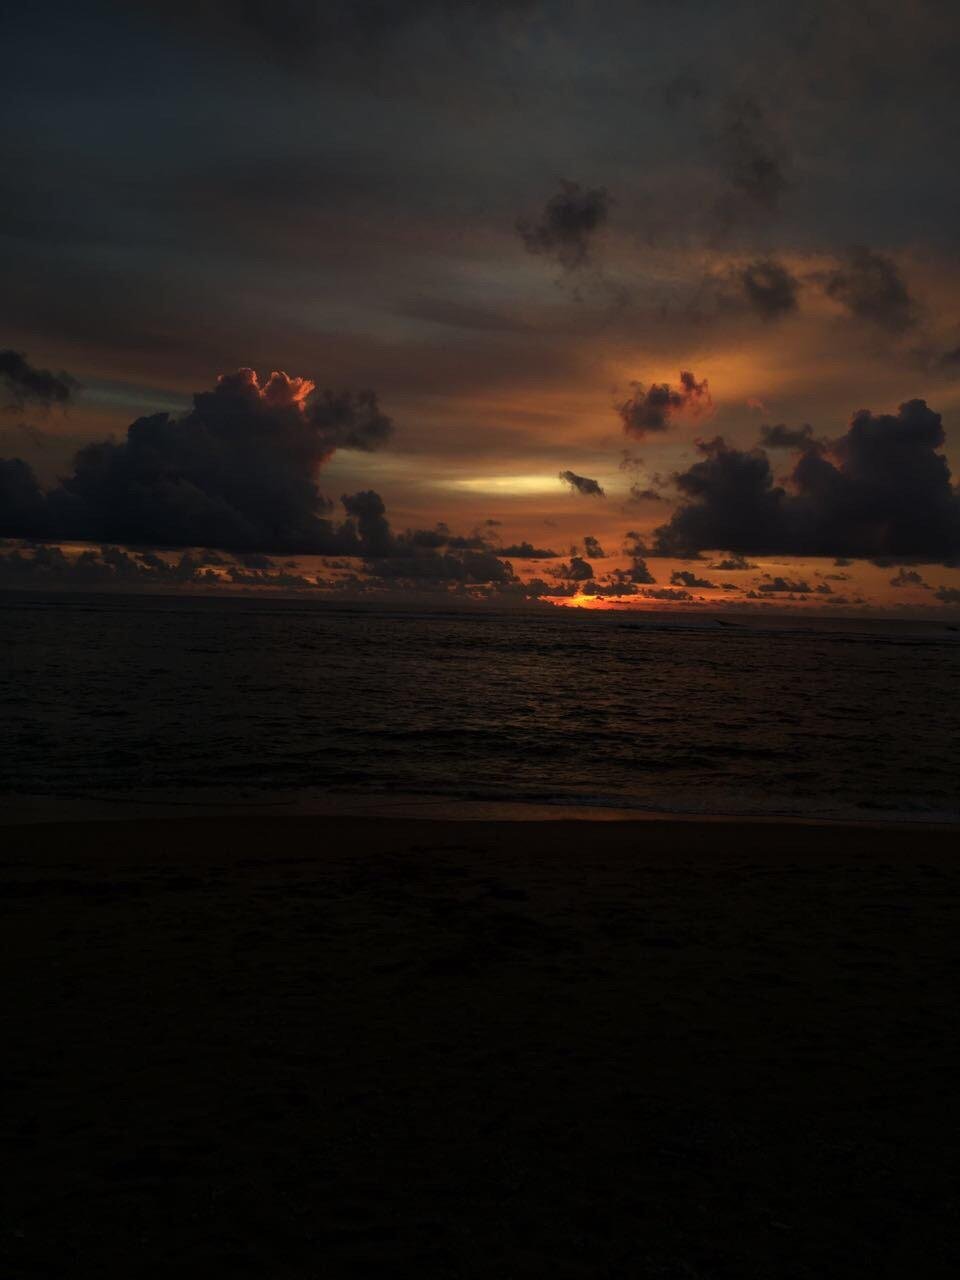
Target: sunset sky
694,257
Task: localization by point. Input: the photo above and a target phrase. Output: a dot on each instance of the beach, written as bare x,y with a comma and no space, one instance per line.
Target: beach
335,1046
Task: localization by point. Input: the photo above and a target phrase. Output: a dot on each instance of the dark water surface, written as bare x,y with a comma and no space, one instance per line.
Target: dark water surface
191,702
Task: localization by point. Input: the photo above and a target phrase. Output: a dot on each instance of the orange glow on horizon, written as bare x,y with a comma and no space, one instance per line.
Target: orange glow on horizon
583,601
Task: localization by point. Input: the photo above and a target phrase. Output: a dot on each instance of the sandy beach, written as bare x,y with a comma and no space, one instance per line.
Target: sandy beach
339,1047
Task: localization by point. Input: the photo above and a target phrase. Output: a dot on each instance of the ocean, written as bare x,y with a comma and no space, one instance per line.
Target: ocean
116,705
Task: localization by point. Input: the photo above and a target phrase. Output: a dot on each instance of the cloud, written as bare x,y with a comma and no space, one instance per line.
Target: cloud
770,289
25,384
577,570
592,548
527,551
238,471
644,495
908,578
781,436
369,511
684,578
23,508
105,567
881,489
469,567
582,484
639,571
731,564
752,155
871,288
567,225
653,408
667,593
949,595
777,586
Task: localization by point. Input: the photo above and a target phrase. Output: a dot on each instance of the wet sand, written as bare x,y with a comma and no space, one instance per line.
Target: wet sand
337,1047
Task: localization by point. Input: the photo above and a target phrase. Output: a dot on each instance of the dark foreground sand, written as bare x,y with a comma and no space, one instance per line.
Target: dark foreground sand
335,1047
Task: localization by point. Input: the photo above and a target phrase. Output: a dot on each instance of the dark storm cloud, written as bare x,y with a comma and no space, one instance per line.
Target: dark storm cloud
780,436
567,224
592,548
882,489
869,285
684,578
24,384
770,289
237,472
368,510
582,484
652,408
23,507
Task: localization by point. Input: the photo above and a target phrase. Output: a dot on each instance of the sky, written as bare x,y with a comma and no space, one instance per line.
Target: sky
665,292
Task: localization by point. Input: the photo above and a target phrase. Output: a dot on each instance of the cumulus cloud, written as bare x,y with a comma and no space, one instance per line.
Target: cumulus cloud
778,586
23,507
578,570
869,285
24,384
780,436
238,471
881,489
639,571
592,548
733,563
653,408
582,484
684,578
567,225
527,551
908,578
770,289
468,567
667,593
111,567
